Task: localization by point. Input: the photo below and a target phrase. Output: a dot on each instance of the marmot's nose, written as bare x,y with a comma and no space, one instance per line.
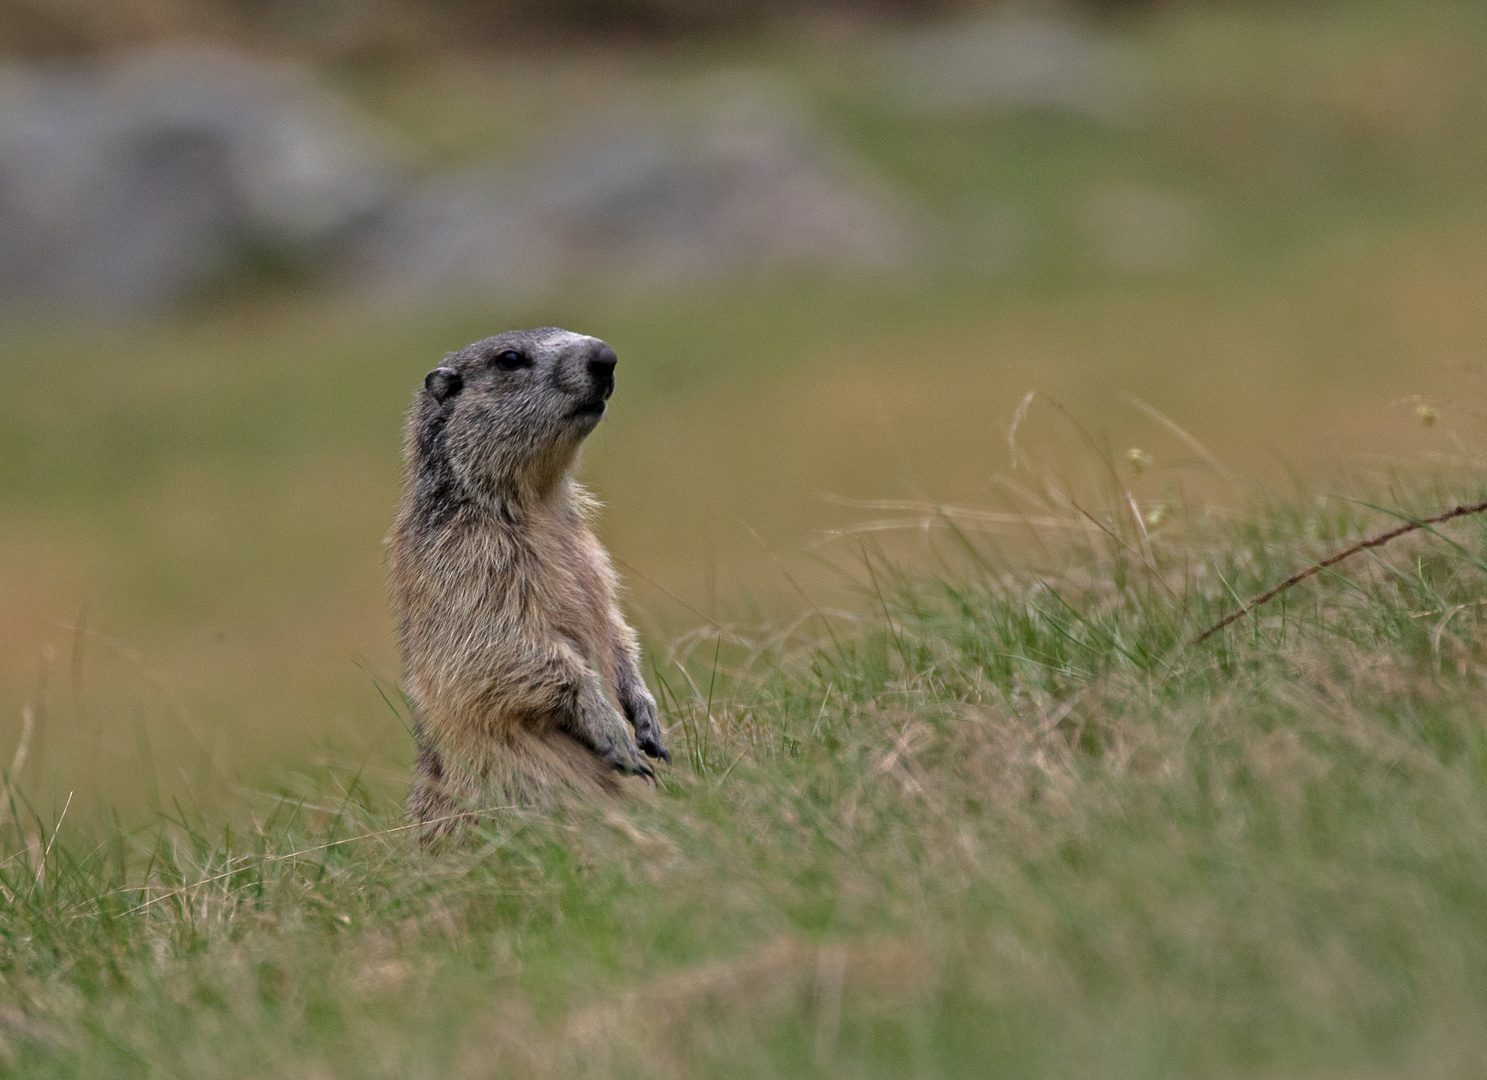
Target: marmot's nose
601,368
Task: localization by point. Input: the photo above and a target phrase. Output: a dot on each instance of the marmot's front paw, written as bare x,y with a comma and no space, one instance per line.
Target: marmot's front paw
647,727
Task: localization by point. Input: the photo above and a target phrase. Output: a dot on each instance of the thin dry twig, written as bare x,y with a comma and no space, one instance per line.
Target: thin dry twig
1332,560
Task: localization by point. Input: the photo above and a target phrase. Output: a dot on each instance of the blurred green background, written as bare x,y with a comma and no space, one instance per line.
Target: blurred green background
1275,238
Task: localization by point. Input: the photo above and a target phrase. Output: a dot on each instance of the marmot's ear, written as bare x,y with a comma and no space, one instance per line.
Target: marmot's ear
443,383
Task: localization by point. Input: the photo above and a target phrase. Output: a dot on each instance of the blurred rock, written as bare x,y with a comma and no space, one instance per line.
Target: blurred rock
452,236
125,187
740,183
1142,231
1017,64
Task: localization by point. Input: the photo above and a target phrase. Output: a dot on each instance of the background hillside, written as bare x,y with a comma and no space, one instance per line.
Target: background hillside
1263,221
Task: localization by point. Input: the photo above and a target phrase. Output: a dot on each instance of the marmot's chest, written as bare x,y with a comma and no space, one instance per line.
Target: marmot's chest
551,577
566,581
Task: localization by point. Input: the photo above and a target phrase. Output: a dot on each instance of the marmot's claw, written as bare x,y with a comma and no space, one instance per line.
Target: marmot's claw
648,735
641,709
630,764
652,746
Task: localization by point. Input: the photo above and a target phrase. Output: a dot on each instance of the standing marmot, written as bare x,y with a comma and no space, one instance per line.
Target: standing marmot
514,649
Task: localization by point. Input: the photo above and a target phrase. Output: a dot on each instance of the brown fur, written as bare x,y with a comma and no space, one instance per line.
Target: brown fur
522,668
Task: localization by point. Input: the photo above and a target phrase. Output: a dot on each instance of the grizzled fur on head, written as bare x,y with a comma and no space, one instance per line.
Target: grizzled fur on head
500,422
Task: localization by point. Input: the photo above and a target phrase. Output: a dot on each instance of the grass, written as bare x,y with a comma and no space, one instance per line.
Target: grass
998,818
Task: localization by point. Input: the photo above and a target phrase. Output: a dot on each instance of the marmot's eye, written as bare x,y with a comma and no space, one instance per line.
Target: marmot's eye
510,360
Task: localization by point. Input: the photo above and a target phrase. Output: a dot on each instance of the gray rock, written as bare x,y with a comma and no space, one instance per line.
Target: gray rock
124,187
450,237
743,182
1016,64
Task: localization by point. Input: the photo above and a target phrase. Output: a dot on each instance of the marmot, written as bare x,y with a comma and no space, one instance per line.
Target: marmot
521,667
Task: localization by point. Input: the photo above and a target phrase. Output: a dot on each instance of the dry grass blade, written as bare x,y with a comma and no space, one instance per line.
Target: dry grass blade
1332,560
23,745
1171,425
1017,418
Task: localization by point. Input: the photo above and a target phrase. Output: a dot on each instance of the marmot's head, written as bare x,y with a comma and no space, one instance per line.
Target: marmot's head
505,416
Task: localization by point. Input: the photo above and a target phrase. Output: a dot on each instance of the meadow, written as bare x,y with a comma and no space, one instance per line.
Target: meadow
1002,820
954,793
